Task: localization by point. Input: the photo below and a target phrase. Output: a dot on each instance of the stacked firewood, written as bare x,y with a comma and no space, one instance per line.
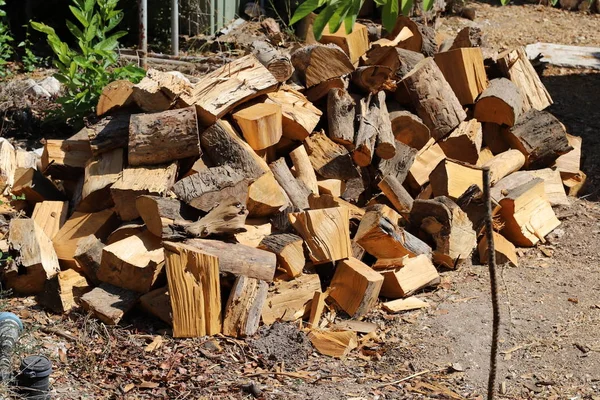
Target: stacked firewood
282,185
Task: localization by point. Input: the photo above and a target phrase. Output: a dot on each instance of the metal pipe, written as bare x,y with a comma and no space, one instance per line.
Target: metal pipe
143,9
175,27
212,17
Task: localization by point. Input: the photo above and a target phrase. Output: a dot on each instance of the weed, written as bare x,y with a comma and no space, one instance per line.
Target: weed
6,50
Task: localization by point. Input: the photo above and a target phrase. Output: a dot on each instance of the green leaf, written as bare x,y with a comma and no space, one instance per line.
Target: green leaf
338,17
304,9
407,6
80,16
88,7
74,30
428,4
42,28
113,22
322,20
110,43
389,14
351,16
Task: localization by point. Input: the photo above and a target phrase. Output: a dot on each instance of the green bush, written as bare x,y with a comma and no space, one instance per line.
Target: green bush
6,50
86,70
29,59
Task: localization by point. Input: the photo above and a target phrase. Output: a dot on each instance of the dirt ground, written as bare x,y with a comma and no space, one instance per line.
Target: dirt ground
550,346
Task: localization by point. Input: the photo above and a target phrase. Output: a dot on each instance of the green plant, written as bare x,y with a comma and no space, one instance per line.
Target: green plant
29,59
6,50
86,71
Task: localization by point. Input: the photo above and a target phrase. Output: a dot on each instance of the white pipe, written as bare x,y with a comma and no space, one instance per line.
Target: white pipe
143,6
175,27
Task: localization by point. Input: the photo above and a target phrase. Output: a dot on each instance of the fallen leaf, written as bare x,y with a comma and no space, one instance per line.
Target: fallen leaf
128,387
62,356
156,343
148,385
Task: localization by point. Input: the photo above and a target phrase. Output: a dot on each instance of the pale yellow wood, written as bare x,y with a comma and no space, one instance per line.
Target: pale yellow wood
573,182
425,161
354,44
333,344
50,216
464,70
326,232
256,230
355,287
115,95
67,156
404,34
8,164
300,116
194,290
333,187
289,249
266,196
452,178
504,164
408,304
464,142
243,309
159,90
100,173
260,124
505,250
63,291
553,186
327,201
303,169
571,162
485,155
316,309
416,274
288,300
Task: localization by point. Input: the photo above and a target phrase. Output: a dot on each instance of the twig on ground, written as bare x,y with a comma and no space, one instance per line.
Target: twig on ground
58,332
288,374
406,378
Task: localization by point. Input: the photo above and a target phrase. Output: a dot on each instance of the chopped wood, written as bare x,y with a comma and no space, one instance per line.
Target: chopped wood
573,182
424,163
296,190
290,300
366,136
415,274
244,307
318,63
330,160
278,63
133,263
380,235
325,231
65,159
256,230
408,304
260,124
194,290
125,230
464,143
35,187
464,70
355,44
402,35
408,128
540,137
399,166
158,303
299,116
115,95
111,132
317,306
79,225
320,91
396,193
238,259
422,39
161,213
8,164
36,261
341,109
570,162
504,164
501,103
138,181
515,66
50,216
304,171
225,219
109,303
371,78
400,61
289,249
505,250
495,137
333,344
265,196
565,56
163,137
221,90
328,201
452,178
88,256
160,91
449,227
355,287
63,291
527,214
385,146
100,173
333,187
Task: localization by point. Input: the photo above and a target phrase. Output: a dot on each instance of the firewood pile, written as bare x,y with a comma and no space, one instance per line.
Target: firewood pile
290,185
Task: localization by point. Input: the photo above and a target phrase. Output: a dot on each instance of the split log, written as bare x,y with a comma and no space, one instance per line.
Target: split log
402,35
88,256
464,143
527,214
225,219
299,116
290,300
161,213
295,189
416,273
400,61
433,98
381,236
289,249
320,91
334,187
244,307
328,201
396,194
24,159
515,66
137,181
385,146
366,136
214,185
109,303
110,133
500,103
573,182
115,95
449,227
505,251
158,303
265,196
325,231
355,287
256,229
317,306
318,63
79,225
423,39
570,162
340,116
408,128
133,263
485,155
65,159
163,137
160,91
8,164
425,162
63,291
35,187
274,60
355,44
50,216
223,146
125,230
495,137
504,164
100,173
408,304
304,171
260,124
237,259
452,178
330,160
221,90
371,78
334,344
464,70
194,290
36,261
540,137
